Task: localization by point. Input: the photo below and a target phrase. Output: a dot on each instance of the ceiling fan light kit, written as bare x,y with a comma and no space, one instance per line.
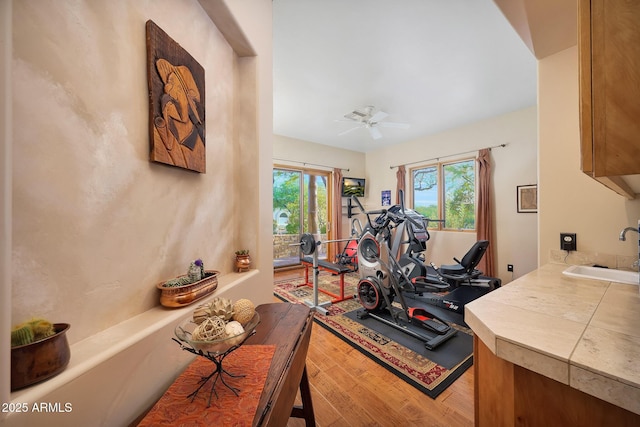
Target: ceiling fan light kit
369,118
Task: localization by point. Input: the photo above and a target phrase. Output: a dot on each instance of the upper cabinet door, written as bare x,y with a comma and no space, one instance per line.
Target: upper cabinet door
609,49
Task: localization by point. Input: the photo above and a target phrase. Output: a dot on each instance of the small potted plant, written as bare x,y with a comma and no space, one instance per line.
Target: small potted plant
243,260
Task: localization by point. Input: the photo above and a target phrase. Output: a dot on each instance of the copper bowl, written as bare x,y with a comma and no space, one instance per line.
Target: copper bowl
179,296
40,360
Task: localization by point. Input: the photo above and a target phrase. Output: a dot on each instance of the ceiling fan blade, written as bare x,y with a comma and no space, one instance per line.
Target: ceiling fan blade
375,132
349,130
380,115
395,125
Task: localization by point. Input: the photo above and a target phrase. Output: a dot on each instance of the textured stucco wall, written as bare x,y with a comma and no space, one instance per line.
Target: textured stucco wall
95,224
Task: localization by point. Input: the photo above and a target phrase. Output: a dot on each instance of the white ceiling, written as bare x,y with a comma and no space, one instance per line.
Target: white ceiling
436,64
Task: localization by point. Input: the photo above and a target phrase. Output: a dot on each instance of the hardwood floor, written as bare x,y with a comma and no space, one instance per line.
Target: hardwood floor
349,389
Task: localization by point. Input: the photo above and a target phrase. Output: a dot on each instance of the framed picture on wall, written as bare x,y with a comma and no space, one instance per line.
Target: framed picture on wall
527,196
386,197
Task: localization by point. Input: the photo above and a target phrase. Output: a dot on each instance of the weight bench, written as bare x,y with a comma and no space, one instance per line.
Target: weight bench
338,269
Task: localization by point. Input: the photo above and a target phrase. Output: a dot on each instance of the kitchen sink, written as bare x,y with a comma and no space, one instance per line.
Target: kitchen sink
608,274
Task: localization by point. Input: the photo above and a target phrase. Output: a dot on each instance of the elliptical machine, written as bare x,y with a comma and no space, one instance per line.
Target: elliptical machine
382,279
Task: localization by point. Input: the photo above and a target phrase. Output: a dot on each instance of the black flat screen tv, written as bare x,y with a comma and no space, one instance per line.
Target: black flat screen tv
353,187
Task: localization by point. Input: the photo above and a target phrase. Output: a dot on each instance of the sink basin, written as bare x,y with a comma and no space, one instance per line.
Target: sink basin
608,274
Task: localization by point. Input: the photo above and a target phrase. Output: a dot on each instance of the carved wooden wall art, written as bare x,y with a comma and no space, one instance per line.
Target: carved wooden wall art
176,103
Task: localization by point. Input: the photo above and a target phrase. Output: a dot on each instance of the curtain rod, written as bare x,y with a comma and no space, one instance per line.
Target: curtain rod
448,155
309,164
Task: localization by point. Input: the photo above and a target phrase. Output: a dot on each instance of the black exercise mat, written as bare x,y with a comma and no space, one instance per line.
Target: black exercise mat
448,354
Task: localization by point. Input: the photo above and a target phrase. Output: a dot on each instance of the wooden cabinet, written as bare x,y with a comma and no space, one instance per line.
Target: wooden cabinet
609,66
510,395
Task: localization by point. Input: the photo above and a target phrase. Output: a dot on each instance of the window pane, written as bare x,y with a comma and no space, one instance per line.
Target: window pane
460,195
286,200
425,193
315,204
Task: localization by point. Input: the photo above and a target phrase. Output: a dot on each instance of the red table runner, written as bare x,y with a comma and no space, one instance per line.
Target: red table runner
175,408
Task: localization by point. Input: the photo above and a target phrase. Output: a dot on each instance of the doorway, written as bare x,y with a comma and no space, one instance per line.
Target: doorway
300,205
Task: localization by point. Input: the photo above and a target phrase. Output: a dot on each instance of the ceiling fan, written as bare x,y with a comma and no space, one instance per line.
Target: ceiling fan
370,119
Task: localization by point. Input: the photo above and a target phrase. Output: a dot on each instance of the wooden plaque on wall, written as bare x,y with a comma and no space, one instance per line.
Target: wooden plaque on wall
176,103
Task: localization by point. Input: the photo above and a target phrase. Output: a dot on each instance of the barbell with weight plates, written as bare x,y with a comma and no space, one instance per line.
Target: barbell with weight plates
308,243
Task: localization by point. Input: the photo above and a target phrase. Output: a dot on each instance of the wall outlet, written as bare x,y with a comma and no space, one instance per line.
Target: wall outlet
509,267
568,242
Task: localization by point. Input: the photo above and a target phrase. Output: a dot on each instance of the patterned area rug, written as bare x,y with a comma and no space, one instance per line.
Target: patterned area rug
429,371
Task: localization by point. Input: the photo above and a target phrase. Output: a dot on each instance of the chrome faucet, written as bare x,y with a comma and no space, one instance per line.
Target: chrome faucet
624,232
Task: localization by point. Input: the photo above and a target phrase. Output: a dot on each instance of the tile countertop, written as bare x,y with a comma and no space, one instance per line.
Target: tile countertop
581,332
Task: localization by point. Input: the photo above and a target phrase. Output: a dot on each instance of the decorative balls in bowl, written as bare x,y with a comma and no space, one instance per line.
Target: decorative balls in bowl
214,335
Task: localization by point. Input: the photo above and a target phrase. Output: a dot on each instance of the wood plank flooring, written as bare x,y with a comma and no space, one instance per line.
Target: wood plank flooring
349,389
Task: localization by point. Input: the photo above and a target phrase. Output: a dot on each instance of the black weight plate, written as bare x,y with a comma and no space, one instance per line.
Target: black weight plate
307,244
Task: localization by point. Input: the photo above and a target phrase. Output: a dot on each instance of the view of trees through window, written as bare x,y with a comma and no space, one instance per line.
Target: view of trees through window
287,188
446,191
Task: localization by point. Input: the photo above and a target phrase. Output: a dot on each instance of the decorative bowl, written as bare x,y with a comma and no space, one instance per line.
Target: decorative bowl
180,296
184,330
40,360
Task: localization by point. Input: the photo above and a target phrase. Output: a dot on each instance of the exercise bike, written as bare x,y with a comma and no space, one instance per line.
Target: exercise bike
462,281
349,255
380,282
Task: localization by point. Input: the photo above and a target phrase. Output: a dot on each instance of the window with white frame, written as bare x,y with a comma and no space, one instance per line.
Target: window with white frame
446,191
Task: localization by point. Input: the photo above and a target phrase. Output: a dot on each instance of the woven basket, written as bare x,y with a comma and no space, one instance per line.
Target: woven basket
179,296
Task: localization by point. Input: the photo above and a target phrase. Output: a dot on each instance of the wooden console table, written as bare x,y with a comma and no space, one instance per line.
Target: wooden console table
288,327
